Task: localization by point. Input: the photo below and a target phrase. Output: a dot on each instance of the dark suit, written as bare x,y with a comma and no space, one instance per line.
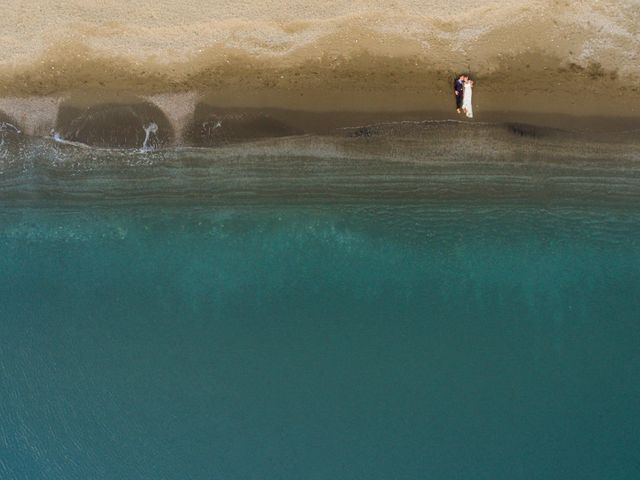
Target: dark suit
458,86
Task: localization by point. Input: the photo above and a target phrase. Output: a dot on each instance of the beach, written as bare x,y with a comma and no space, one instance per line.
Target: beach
541,57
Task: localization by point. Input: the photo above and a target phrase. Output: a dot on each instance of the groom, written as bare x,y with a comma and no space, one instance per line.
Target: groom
458,88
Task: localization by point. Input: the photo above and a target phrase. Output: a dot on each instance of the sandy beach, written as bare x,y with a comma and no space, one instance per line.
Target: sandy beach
530,59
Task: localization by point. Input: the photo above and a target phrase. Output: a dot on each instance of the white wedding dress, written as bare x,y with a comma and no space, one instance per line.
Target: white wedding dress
467,96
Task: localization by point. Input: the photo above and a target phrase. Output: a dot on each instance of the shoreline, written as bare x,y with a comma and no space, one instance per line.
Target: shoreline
530,89
191,120
393,163
271,155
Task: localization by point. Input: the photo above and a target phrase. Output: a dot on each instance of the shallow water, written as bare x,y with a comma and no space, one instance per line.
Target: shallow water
284,322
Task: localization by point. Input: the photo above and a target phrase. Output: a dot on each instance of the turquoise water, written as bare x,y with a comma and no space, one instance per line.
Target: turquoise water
426,333
343,342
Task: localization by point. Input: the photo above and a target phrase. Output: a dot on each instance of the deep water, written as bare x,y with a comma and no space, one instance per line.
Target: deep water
264,313
368,341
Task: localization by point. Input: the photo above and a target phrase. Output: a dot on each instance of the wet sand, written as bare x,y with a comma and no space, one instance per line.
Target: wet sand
532,82
122,122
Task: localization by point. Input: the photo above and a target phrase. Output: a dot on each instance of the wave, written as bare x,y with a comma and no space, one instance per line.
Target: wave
436,161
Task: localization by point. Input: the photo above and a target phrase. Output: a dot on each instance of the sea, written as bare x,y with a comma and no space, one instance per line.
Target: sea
433,300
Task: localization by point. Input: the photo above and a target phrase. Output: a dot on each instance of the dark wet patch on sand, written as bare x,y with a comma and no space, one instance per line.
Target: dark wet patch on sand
212,126
120,125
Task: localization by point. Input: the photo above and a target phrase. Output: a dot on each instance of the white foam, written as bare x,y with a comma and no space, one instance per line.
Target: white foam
9,127
58,138
150,129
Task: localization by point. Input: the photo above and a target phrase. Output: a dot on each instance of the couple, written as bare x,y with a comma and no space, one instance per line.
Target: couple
463,87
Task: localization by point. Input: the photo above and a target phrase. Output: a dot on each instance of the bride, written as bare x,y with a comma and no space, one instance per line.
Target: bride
467,107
